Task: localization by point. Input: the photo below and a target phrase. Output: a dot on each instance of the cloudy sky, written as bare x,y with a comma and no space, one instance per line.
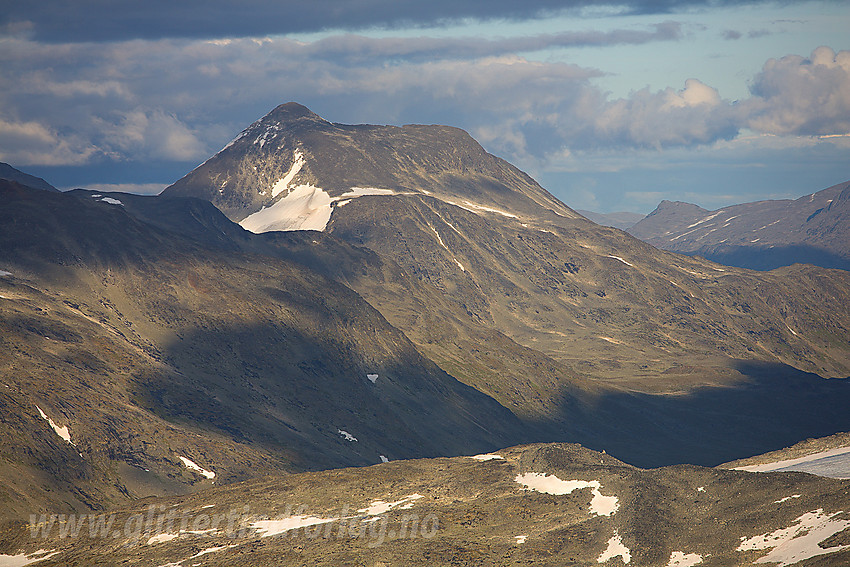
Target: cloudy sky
610,106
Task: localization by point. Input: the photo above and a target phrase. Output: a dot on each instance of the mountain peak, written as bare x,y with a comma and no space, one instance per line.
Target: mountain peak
292,112
293,164
667,205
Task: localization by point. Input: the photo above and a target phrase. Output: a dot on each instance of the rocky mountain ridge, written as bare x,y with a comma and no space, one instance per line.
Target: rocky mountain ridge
9,173
762,235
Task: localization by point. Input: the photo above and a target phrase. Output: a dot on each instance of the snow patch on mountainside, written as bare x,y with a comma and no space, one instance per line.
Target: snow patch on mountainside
346,435
680,559
25,559
487,457
600,504
192,465
363,192
787,498
378,507
490,209
268,528
800,541
620,259
162,538
615,549
305,208
60,431
283,183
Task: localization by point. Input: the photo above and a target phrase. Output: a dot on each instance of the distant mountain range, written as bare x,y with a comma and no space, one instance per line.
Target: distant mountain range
319,295
763,235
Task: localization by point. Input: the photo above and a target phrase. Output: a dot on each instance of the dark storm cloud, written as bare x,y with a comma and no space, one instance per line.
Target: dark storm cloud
107,20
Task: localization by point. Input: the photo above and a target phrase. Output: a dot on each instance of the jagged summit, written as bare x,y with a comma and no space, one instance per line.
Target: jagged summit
302,166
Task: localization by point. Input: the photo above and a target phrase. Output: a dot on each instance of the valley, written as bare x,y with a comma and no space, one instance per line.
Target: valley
325,317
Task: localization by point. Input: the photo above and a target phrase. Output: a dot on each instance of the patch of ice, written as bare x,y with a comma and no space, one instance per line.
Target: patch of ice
162,538
787,498
372,378
111,201
189,464
541,482
306,207
800,541
679,559
98,196
348,436
487,457
268,528
4,273
384,459
378,507
459,265
520,539
615,549
60,431
283,183
25,559
701,489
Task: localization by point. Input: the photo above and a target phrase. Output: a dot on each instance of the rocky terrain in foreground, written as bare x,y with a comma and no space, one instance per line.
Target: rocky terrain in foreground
551,504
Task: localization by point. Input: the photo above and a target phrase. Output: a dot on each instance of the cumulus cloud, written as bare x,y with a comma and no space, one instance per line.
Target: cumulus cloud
692,115
155,134
30,142
179,100
803,95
